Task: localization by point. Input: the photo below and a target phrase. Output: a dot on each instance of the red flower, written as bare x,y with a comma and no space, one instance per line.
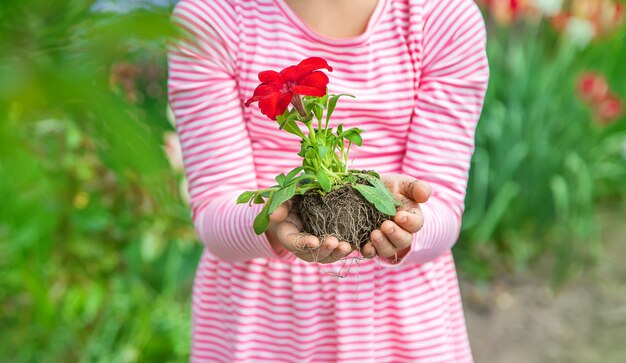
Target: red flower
504,11
619,13
559,21
610,109
593,87
278,90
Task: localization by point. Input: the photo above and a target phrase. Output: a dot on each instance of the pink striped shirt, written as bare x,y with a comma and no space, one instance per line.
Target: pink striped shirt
419,73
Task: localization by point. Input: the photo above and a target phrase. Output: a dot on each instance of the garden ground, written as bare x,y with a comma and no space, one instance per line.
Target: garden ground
524,321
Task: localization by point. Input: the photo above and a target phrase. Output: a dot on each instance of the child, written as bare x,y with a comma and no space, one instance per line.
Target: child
419,72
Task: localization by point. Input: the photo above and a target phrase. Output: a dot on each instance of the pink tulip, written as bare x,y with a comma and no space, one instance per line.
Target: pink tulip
592,87
610,110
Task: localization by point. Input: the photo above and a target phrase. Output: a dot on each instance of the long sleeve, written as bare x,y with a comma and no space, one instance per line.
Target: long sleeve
216,146
450,96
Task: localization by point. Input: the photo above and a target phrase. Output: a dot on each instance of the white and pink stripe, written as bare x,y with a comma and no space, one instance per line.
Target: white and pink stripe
419,73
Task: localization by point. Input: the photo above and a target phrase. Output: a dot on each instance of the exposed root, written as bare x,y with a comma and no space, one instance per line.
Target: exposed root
342,213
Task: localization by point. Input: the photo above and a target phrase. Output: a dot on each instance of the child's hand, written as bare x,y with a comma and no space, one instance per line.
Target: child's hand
284,232
394,238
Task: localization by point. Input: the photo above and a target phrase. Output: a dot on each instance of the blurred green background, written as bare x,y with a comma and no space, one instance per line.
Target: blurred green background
97,252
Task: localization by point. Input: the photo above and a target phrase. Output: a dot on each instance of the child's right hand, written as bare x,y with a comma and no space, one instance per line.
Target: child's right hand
284,232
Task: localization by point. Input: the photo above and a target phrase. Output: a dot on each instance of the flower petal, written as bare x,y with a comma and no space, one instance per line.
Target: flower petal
251,100
269,76
261,91
289,74
283,103
312,85
275,104
308,91
311,64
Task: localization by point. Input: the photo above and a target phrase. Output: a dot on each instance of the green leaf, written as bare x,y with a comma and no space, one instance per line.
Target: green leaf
287,122
377,198
324,100
245,197
280,179
354,136
262,220
322,150
310,155
306,179
305,145
380,185
324,181
292,174
319,113
339,129
282,119
500,205
258,199
308,104
332,104
281,196
292,127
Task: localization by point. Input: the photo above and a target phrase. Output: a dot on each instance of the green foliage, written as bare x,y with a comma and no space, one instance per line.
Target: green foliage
541,163
97,253
324,162
377,198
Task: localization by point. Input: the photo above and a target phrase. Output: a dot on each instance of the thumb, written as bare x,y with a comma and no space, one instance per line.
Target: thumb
281,213
421,191
417,190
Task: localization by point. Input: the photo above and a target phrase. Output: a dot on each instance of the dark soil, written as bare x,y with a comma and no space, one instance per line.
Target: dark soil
342,213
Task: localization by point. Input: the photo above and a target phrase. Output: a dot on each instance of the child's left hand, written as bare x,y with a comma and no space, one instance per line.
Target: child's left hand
394,238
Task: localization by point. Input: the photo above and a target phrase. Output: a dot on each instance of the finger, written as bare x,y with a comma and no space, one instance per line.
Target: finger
396,235
294,219
368,251
381,243
410,220
417,190
329,245
338,253
290,237
281,212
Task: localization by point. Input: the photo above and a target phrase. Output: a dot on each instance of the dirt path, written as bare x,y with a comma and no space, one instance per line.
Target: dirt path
525,322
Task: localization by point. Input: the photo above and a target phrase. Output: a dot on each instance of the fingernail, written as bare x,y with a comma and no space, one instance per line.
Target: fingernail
404,219
390,230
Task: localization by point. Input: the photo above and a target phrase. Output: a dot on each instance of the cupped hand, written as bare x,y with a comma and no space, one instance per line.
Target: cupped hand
285,232
394,237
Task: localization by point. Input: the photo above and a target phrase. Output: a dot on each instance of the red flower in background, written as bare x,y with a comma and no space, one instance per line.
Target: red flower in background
503,11
279,89
610,109
592,87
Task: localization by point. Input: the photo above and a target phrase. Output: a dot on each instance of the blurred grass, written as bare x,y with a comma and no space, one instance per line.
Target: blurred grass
541,163
97,253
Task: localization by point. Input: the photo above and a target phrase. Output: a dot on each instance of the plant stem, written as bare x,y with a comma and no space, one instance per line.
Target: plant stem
346,157
296,101
311,131
335,176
